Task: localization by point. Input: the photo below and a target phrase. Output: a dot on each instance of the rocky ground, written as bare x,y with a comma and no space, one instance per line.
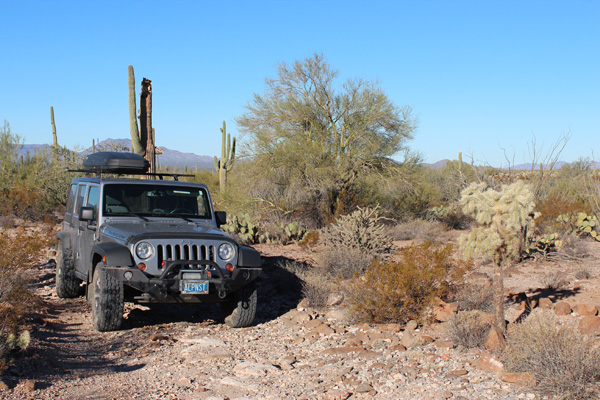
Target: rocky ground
292,352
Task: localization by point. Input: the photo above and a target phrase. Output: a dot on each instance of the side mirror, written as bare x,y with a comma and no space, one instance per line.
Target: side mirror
221,217
86,214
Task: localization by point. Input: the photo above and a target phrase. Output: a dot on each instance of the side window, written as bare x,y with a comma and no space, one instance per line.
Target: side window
80,198
93,200
71,200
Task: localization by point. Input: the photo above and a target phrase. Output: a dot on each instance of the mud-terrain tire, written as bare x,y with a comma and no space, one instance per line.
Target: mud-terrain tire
240,310
67,284
107,300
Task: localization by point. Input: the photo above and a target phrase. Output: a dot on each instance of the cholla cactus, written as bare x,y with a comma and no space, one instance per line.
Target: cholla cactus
505,219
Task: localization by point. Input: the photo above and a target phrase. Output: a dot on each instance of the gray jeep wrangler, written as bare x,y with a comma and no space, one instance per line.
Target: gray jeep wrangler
149,241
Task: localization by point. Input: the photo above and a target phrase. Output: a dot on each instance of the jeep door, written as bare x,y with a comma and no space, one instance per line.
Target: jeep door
88,196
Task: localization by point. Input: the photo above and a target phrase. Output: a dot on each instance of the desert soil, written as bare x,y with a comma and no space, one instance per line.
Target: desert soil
291,352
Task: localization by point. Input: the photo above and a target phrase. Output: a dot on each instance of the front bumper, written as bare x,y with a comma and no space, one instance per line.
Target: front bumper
166,287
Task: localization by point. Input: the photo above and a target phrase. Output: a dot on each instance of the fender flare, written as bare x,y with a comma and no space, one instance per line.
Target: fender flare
113,254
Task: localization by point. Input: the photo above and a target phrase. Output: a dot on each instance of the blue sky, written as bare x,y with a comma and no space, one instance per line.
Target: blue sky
480,75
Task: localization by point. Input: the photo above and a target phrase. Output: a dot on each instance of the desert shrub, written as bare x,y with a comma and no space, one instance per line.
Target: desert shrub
363,229
553,206
310,239
564,362
468,328
405,288
419,229
474,295
19,249
343,262
351,244
554,280
450,215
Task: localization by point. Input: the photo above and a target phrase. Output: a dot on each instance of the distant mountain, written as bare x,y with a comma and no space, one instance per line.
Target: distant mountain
536,167
172,158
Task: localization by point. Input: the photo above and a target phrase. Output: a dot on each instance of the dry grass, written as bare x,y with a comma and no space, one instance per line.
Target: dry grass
554,280
468,328
474,295
316,285
342,262
421,230
19,249
565,362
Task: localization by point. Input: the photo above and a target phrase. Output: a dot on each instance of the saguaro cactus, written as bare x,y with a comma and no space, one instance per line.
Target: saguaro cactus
142,139
54,137
224,165
136,143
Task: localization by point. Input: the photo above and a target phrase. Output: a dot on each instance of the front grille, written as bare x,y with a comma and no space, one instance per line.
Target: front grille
191,252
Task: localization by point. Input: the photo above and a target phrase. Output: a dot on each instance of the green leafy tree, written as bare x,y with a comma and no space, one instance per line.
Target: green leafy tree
310,137
504,219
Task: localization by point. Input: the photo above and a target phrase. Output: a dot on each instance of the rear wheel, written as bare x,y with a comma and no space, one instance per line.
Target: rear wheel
240,310
107,300
67,284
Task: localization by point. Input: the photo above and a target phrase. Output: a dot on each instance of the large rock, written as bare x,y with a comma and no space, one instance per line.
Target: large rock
562,308
489,363
589,325
443,311
495,340
586,310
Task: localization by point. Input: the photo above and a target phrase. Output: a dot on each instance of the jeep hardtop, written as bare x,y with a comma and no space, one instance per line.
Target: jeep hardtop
149,241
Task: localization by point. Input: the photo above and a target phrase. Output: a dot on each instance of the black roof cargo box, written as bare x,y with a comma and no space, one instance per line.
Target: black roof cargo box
115,162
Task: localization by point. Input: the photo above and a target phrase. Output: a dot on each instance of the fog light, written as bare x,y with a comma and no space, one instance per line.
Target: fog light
229,267
128,275
141,266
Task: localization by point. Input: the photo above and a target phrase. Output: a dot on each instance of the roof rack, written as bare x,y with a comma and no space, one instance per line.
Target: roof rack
112,162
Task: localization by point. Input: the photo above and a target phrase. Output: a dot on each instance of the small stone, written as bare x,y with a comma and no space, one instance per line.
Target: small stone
446,394
409,339
392,328
334,299
337,395
363,388
519,378
456,373
444,344
29,385
158,336
398,347
411,325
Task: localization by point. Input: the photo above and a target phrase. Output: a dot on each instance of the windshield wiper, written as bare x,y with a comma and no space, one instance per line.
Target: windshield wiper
181,216
129,214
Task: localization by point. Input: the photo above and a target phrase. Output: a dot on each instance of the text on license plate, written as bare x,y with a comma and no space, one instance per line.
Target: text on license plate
194,287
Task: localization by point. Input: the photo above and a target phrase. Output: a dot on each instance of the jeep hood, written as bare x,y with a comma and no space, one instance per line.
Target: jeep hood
123,232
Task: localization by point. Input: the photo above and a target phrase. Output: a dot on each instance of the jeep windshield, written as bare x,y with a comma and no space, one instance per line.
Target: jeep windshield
151,200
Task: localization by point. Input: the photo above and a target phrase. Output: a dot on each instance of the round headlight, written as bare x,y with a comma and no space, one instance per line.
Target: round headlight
226,251
144,250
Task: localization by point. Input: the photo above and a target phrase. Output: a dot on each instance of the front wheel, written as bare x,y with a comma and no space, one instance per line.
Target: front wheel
239,312
107,300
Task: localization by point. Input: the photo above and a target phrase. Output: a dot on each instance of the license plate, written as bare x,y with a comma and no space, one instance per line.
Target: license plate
194,287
